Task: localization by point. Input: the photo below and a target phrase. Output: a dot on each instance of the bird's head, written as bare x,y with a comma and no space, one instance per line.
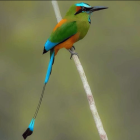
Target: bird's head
82,8
86,8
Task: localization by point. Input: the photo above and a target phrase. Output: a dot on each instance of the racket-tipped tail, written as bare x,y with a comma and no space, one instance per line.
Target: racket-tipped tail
29,130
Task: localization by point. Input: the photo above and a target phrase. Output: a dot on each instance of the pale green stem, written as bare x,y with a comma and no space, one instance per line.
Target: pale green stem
99,126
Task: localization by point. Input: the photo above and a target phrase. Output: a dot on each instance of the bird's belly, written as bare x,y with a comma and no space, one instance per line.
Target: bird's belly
67,44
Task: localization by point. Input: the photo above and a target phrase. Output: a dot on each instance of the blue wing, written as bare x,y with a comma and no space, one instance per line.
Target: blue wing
49,45
60,35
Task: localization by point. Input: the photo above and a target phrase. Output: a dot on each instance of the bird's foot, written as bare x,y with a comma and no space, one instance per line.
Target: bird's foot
72,53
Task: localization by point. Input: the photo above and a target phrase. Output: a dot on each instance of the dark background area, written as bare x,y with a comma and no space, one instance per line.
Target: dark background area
110,55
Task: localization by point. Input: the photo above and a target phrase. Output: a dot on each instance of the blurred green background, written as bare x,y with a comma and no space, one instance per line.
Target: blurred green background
110,55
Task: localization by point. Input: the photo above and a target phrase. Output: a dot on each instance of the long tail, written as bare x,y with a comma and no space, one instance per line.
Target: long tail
30,128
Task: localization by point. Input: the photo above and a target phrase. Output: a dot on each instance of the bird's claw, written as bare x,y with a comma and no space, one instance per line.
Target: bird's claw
72,52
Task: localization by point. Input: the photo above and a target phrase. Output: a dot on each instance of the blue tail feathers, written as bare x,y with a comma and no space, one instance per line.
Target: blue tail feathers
31,125
50,66
29,130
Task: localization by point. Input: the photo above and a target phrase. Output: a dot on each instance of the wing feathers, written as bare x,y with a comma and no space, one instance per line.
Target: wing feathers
61,34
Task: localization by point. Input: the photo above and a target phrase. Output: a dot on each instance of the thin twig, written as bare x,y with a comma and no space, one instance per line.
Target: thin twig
101,131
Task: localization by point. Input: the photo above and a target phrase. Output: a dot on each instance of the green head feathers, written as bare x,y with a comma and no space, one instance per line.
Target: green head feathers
82,10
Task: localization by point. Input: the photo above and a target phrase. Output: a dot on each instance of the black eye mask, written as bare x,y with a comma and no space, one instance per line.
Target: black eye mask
83,9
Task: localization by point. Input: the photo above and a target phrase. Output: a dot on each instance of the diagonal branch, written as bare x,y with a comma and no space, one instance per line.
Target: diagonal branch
101,131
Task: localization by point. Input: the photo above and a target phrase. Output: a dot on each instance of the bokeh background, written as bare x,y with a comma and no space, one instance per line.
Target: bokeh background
110,55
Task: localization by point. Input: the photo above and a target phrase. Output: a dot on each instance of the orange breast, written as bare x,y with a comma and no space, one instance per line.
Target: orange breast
67,44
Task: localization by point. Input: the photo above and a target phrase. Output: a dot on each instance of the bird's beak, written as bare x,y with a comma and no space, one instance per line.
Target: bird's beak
97,8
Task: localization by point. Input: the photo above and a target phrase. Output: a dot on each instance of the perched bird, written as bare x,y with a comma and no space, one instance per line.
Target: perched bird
72,28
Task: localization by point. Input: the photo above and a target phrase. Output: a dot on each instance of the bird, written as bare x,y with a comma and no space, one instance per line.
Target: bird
72,28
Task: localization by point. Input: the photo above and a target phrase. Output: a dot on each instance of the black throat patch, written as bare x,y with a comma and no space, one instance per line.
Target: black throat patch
89,20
